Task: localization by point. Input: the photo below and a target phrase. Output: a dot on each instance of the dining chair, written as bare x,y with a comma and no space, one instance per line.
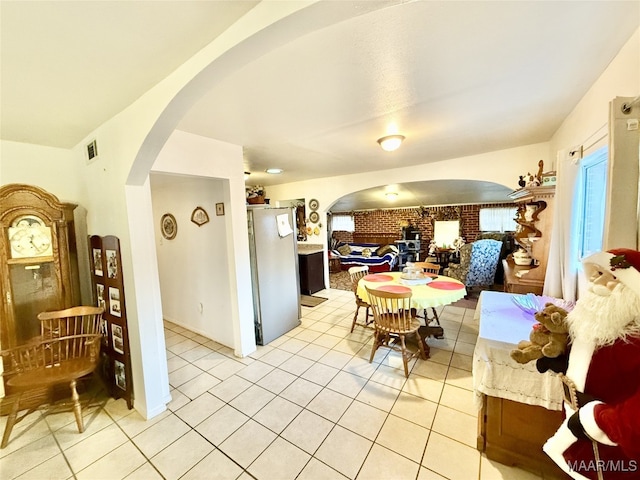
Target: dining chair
356,273
435,269
67,350
393,321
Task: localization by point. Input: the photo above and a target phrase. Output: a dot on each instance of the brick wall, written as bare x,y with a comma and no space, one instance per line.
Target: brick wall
389,221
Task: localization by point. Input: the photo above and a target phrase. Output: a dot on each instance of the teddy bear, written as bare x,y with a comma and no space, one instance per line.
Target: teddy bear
548,338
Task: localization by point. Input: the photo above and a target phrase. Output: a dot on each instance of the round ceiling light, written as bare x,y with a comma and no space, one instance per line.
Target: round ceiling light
274,171
391,142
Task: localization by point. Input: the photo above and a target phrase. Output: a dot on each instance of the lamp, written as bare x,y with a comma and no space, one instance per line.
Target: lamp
246,175
391,195
274,171
391,142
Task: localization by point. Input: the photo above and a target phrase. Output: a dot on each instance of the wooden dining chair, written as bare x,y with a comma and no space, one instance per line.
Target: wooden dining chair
393,322
356,273
435,269
67,350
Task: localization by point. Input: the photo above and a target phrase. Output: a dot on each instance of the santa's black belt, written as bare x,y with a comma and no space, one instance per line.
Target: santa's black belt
580,397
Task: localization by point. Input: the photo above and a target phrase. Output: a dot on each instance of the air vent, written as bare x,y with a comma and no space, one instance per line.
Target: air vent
92,151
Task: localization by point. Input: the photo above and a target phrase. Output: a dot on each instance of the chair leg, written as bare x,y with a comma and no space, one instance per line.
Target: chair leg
77,408
421,345
405,354
378,340
355,317
11,421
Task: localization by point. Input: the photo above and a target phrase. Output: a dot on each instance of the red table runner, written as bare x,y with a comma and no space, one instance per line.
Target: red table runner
445,285
377,278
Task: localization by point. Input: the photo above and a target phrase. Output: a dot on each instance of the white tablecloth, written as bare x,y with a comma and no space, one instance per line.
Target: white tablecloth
495,373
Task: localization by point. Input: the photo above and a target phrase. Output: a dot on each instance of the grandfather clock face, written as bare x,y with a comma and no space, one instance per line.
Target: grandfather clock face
29,237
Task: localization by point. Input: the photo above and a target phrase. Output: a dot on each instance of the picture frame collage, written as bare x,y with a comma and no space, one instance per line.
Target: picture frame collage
108,292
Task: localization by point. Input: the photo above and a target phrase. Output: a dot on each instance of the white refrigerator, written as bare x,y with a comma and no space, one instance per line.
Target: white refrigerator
274,272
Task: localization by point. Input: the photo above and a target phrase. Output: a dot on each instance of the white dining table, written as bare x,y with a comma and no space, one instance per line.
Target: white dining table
495,373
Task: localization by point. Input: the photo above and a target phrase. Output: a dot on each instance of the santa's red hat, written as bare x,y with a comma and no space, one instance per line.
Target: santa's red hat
623,263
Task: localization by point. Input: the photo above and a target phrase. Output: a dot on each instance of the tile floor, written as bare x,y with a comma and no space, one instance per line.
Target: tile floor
307,406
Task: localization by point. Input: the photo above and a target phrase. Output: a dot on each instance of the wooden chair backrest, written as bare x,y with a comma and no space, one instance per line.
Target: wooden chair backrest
428,267
356,273
391,311
70,321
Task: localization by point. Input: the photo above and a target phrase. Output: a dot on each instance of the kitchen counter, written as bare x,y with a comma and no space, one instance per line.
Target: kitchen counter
311,268
309,248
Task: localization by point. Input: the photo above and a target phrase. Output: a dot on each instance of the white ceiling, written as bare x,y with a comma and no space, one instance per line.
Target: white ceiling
456,78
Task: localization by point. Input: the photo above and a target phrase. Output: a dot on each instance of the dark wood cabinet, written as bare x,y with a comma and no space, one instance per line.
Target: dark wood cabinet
311,266
38,259
513,433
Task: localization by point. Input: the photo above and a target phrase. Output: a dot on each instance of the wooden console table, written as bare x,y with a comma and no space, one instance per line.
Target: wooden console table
519,408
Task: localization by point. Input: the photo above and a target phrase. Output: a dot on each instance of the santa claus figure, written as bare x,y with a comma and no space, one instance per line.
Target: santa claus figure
600,437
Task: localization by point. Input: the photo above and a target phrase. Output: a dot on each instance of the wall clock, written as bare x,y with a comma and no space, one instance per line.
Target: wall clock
313,204
168,226
30,237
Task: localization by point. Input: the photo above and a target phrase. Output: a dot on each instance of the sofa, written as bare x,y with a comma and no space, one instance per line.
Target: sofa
379,258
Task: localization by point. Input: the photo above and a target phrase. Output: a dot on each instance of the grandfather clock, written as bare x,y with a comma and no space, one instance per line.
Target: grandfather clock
38,258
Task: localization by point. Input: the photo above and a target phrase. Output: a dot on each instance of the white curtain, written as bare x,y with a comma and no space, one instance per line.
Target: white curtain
498,219
342,222
561,279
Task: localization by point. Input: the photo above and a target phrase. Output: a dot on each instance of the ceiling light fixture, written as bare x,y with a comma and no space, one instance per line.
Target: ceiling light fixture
246,175
274,171
391,195
391,142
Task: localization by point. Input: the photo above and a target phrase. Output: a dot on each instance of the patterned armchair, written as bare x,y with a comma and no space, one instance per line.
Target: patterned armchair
478,263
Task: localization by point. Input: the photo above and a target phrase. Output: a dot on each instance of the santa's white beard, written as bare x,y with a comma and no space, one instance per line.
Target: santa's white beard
601,317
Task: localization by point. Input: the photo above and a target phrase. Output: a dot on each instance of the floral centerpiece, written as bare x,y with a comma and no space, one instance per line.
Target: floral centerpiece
255,194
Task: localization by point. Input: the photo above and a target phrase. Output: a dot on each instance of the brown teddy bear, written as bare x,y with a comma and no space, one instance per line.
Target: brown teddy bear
548,338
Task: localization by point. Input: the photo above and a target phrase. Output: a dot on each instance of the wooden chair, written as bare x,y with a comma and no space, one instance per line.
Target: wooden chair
393,322
435,269
67,350
356,273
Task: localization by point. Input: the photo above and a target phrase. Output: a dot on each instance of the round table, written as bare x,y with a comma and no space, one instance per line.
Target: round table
440,291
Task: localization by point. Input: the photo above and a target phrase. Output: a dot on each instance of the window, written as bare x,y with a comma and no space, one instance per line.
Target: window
592,189
446,232
498,219
343,223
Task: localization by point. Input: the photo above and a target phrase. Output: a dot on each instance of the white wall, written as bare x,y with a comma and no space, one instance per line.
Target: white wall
190,156
588,125
588,120
194,279
53,169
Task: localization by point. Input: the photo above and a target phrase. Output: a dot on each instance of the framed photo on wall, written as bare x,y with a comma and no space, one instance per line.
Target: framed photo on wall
114,302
